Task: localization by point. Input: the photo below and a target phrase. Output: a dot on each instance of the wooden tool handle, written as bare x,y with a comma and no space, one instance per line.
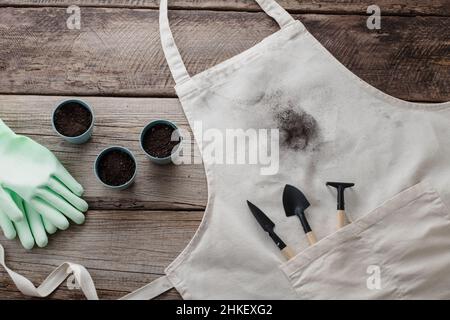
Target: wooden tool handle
288,253
311,238
341,219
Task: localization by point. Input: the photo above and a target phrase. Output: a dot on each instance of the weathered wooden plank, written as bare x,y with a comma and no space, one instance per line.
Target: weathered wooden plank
118,122
399,7
117,52
123,250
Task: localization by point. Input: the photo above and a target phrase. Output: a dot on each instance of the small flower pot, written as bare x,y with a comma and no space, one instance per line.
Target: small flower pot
116,167
73,120
160,141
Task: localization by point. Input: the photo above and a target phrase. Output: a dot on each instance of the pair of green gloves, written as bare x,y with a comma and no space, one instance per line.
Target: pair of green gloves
37,194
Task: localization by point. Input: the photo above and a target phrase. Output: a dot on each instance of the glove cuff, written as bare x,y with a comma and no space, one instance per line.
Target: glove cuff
5,131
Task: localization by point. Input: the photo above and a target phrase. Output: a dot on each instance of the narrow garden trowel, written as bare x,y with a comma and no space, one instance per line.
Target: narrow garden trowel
295,204
268,226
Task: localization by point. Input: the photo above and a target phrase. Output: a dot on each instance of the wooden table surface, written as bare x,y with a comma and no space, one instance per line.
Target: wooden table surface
115,62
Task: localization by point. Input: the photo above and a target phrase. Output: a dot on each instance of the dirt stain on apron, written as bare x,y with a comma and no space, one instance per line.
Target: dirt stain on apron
297,128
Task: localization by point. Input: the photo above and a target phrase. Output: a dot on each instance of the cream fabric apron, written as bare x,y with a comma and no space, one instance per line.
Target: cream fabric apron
397,153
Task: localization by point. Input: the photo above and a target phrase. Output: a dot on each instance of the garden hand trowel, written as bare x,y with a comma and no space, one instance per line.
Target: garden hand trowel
295,203
268,227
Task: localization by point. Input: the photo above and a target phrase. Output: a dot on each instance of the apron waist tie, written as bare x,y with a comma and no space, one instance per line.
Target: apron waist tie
82,278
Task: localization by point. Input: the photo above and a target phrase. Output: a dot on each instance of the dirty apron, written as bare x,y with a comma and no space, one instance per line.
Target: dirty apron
332,126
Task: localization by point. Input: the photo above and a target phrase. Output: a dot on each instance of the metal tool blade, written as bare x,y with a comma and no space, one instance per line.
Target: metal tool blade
294,200
261,217
267,225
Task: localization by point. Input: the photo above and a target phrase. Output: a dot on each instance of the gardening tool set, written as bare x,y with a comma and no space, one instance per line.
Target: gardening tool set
295,203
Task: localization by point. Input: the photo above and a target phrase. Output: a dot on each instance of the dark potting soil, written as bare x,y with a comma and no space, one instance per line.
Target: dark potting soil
157,141
72,119
297,128
116,168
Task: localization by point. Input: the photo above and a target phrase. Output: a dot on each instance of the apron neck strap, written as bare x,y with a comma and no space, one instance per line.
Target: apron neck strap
173,57
276,12
170,49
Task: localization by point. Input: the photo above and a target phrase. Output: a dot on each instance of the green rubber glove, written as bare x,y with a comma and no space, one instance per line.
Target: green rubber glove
31,229
34,174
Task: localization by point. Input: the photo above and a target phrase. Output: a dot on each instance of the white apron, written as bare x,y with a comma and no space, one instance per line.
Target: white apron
396,152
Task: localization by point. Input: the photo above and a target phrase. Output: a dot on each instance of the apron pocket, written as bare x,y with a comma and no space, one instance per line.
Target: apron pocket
401,250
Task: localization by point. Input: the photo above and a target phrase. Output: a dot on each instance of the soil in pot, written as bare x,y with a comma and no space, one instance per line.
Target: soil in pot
157,141
116,168
72,119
